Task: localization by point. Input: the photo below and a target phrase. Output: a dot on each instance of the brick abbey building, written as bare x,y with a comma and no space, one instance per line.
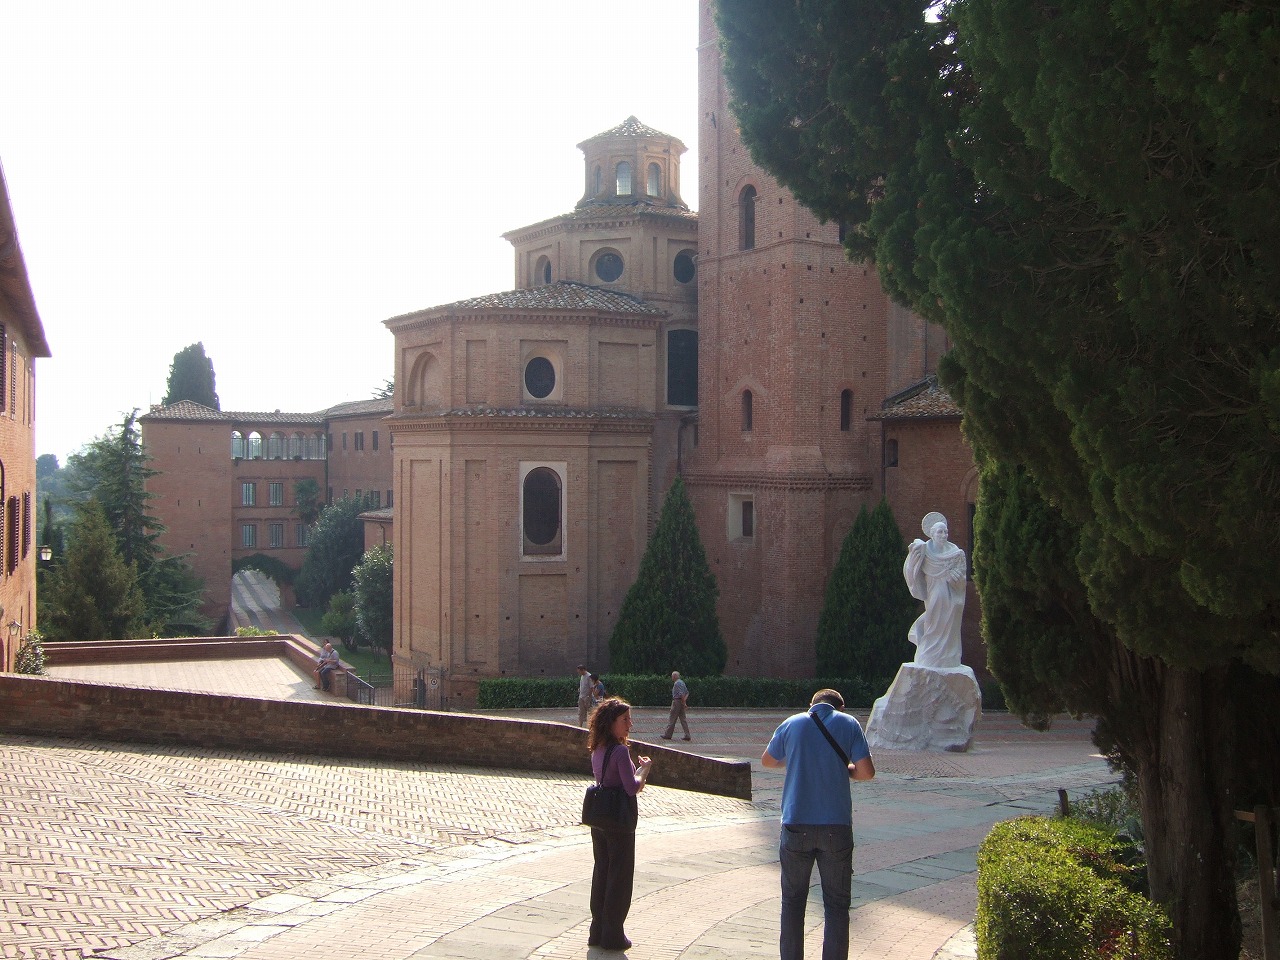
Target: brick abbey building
536,431
22,340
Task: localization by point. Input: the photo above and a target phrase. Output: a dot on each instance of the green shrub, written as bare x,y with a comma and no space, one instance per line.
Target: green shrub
256,632
1057,890
513,693
30,656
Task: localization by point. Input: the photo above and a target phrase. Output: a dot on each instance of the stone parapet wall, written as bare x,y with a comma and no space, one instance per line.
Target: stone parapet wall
41,706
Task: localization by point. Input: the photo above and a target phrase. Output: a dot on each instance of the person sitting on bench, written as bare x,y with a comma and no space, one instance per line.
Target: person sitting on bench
326,665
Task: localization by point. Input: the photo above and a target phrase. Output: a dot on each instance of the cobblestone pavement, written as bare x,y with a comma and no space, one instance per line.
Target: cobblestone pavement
143,853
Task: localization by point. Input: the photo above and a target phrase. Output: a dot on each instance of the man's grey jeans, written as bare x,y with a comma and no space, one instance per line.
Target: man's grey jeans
799,847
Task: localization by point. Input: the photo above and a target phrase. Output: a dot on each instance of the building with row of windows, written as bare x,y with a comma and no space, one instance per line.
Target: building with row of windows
534,433
22,340
226,482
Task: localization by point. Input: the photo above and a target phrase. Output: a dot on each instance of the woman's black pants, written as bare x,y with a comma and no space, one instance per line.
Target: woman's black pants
615,856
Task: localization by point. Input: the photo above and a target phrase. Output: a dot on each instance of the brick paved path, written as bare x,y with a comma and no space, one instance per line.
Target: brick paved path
142,853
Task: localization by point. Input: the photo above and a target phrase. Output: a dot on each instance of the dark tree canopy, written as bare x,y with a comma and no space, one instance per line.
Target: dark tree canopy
668,620
373,595
337,544
191,378
868,609
113,471
92,593
1084,196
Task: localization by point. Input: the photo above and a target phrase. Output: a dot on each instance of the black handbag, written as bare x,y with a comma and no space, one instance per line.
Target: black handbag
609,808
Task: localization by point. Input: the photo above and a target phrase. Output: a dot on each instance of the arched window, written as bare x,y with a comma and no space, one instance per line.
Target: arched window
296,445
747,411
275,446
237,445
747,218
846,409
254,451
540,513
598,187
624,179
653,183
542,272
322,441
891,453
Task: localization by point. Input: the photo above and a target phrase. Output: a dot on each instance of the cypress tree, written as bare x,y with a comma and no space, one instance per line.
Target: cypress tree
668,620
191,378
93,593
868,609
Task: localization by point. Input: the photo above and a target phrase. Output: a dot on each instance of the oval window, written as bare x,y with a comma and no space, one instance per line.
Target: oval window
539,377
683,267
541,506
608,267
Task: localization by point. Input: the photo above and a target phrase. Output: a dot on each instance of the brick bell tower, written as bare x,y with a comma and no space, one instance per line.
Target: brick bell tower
798,346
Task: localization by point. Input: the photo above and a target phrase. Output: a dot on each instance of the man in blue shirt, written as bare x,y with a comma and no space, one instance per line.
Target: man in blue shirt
817,817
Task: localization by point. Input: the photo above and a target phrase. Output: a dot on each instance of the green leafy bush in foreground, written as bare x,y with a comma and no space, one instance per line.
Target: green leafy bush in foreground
513,693
1058,890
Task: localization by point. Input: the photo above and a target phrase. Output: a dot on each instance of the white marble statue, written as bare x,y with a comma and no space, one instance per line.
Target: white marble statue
935,571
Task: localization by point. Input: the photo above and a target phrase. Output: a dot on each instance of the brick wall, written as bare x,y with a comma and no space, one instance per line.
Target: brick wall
39,706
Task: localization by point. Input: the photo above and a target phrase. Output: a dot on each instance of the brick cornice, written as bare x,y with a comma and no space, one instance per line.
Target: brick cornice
585,421
515,315
773,481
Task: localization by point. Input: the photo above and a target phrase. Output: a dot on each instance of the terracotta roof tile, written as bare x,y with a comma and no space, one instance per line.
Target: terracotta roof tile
925,399
630,127
367,408
562,295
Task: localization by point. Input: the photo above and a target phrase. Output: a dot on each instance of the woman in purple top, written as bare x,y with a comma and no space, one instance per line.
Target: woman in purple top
615,850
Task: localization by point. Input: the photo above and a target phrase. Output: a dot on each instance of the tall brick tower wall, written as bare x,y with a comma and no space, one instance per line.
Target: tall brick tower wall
797,348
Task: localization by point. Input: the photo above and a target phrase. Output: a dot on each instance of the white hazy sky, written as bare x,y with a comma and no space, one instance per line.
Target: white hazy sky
275,179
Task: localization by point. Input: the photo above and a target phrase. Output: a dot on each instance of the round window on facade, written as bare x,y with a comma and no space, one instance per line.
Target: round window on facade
539,377
608,267
683,267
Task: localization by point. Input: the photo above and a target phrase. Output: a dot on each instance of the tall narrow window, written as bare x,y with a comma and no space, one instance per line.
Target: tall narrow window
375,439
26,523
248,494
747,411
255,446
682,368
541,513
275,446
598,185
11,523
891,453
275,533
249,535
624,179
747,218
237,445
275,491
846,409
296,444
653,183
4,364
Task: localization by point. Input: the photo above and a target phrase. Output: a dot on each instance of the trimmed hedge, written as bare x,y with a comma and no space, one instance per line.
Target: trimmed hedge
1058,890
513,693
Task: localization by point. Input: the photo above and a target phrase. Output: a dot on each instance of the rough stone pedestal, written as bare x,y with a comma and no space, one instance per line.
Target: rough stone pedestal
927,708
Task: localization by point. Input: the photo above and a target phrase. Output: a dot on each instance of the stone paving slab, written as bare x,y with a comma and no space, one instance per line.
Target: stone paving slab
143,853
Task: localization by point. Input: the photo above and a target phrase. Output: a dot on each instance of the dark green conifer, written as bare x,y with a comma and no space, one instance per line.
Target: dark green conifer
668,620
868,610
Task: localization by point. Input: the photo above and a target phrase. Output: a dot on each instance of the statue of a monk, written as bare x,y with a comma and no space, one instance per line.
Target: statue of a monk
936,571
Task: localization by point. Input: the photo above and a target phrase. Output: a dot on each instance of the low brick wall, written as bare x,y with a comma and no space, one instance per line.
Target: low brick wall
41,706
